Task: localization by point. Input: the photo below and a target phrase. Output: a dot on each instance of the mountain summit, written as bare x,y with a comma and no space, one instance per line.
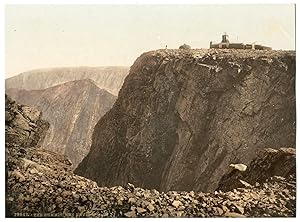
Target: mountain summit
183,116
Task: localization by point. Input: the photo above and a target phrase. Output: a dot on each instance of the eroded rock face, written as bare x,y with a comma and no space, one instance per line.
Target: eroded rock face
41,183
109,78
183,116
72,109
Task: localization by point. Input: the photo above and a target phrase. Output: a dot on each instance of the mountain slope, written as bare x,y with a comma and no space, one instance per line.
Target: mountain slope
183,116
40,183
72,109
109,78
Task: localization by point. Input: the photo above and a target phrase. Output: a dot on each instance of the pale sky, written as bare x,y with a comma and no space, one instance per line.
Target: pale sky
42,36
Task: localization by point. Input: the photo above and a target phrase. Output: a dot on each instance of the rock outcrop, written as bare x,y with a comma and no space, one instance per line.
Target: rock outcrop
109,78
183,116
269,162
72,109
41,183
21,124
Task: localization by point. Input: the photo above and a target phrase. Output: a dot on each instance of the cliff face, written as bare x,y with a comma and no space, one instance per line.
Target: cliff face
72,109
41,183
109,78
183,116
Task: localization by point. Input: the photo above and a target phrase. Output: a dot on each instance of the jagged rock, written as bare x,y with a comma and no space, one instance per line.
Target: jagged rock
245,183
18,176
141,210
131,200
66,193
240,166
268,163
218,211
225,209
130,214
239,208
59,200
150,207
176,203
233,214
130,187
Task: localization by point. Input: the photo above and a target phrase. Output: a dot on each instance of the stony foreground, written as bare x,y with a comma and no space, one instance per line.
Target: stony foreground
41,183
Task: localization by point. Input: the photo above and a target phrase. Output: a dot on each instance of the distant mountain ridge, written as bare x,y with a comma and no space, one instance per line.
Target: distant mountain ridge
109,78
72,109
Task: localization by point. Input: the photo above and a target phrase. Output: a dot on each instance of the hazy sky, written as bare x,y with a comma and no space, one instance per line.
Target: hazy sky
39,36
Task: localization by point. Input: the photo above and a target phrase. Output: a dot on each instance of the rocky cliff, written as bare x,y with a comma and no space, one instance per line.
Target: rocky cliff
109,78
72,109
40,183
183,116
